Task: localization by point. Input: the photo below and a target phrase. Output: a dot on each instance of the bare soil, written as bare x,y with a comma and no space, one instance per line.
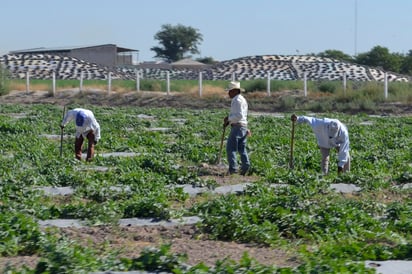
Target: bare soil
185,239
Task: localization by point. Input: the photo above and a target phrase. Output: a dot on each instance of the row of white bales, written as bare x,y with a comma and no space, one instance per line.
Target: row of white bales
277,67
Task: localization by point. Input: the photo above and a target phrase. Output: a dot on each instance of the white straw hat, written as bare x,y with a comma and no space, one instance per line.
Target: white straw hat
233,85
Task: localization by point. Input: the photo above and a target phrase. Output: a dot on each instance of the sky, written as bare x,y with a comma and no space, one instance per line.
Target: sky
230,28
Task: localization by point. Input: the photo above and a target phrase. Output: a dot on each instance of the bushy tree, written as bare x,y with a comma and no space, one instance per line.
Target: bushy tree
207,60
4,80
336,54
176,41
380,57
406,66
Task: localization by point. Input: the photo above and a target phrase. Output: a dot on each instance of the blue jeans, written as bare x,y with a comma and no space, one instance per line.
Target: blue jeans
237,143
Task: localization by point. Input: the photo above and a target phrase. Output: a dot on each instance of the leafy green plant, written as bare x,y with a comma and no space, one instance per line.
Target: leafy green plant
19,234
156,259
293,209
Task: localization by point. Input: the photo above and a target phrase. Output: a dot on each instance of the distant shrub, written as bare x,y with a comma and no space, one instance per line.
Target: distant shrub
151,85
287,102
4,81
327,87
255,85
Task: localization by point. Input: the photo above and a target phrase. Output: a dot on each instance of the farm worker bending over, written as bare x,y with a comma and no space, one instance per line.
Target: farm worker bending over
86,127
239,132
330,133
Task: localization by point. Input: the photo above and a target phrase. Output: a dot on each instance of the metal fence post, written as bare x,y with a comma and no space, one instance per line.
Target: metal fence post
109,83
386,85
200,83
54,83
305,85
344,83
168,82
137,80
27,81
81,82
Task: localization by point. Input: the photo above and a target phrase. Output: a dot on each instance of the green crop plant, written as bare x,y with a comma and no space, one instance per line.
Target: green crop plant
293,209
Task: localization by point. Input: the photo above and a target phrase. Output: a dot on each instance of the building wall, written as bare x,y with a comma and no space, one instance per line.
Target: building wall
124,59
105,55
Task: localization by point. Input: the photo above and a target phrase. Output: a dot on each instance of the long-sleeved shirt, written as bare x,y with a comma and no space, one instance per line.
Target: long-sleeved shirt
238,110
85,121
328,139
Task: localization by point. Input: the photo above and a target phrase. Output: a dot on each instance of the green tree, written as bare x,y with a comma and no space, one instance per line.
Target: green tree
406,66
176,41
207,60
380,57
4,80
336,54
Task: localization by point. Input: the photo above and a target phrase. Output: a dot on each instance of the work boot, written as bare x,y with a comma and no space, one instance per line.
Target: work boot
78,145
90,148
232,171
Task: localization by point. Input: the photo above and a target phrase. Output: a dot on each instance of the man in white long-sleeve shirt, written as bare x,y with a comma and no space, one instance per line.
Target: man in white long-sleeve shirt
330,133
239,132
87,127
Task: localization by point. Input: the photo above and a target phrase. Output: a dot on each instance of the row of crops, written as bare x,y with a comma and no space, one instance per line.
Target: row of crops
327,231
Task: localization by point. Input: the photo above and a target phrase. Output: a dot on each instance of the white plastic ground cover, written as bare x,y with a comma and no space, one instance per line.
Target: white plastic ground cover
390,267
345,188
129,222
193,191
128,272
56,191
115,154
381,267
67,190
54,136
150,221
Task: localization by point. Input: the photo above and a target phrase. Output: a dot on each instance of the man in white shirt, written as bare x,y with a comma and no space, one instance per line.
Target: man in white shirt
239,132
330,133
86,128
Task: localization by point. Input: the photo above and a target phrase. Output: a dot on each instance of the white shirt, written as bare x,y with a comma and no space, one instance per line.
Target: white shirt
238,110
89,123
321,129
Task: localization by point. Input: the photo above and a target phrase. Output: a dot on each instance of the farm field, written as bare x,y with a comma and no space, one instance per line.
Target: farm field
283,220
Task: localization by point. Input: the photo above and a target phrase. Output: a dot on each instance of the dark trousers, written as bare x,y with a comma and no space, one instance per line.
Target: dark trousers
78,146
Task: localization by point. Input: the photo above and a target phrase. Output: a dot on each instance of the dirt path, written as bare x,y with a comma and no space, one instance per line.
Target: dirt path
258,101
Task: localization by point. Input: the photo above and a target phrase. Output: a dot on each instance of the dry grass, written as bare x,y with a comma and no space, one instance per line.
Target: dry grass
208,91
22,87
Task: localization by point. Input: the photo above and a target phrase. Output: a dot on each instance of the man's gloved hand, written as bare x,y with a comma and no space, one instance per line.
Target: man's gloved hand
95,142
293,117
340,170
226,121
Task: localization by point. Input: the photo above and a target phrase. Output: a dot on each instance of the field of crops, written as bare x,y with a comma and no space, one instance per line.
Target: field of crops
291,210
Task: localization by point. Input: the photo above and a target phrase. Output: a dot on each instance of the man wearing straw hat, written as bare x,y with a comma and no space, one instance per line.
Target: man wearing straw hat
237,119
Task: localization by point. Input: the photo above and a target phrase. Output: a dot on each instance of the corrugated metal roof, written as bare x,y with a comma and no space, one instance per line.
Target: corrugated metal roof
67,48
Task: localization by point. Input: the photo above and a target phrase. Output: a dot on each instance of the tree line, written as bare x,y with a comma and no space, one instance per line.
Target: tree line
178,41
